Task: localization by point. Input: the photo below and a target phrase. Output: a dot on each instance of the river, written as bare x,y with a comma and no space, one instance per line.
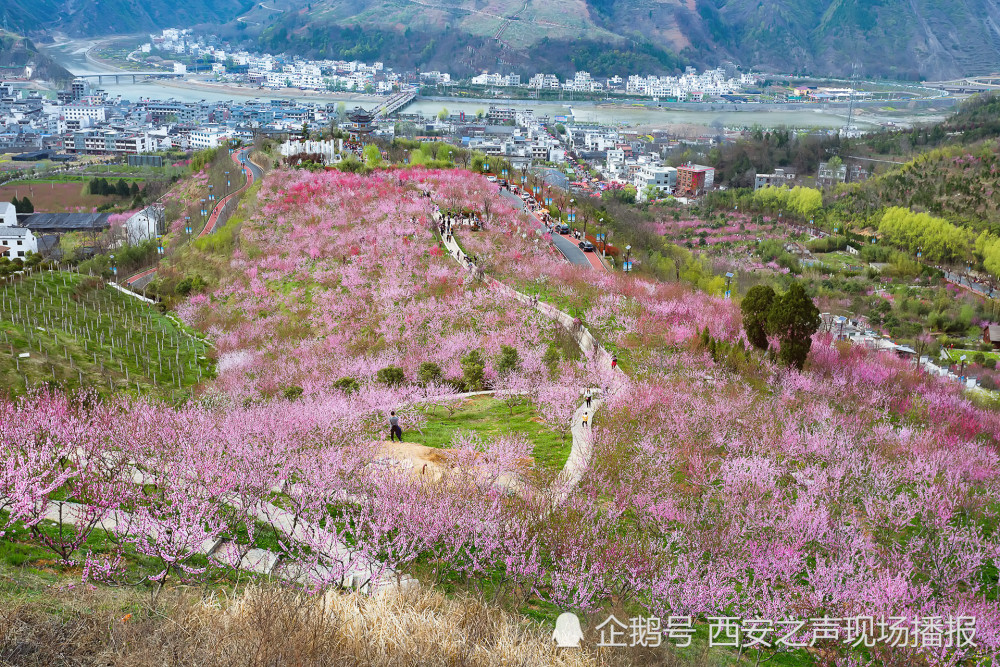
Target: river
71,54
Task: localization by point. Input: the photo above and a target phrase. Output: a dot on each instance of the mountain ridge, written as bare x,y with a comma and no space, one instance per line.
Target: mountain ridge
903,39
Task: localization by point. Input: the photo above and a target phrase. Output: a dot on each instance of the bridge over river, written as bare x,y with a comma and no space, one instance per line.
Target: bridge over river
120,77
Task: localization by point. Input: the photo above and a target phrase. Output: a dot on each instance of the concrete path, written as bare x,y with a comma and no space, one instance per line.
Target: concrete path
582,447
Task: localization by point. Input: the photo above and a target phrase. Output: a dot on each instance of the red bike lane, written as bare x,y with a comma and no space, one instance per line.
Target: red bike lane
217,211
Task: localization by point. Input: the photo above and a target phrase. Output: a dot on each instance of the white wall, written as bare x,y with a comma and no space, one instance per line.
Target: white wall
8,214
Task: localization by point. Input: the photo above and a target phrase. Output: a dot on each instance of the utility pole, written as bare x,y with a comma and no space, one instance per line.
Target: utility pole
850,97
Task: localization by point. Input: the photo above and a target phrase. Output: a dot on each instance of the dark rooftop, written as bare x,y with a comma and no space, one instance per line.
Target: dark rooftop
66,222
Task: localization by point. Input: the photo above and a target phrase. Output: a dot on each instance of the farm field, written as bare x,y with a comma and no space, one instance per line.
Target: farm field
81,334
56,197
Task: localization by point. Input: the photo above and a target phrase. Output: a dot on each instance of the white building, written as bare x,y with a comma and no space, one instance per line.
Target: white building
84,111
19,241
8,214
663,179
207,136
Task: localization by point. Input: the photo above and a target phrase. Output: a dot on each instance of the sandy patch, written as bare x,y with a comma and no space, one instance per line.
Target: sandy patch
426,463
438,466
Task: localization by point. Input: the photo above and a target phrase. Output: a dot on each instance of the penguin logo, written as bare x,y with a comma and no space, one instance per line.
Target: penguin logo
567,633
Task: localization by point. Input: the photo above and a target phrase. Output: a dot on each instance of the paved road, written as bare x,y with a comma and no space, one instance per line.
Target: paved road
253,173
143,278
555,177
566,245
983,290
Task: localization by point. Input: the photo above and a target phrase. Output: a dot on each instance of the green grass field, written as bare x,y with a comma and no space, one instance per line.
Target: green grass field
956,355
78,332
490,417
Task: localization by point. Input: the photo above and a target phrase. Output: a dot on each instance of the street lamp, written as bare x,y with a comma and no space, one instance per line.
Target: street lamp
211,195
159,245
961,371
114,266
729,280
920,252
627,265
228,184
187,224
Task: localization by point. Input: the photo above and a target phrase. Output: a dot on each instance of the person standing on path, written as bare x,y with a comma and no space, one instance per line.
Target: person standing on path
614,363
588,395
584,423
394,429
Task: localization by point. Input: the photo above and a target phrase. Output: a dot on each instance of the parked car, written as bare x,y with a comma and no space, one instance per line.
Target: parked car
491,179
563,229
586,246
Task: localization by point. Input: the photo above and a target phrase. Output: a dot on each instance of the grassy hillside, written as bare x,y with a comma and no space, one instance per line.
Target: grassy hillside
953,174
80,333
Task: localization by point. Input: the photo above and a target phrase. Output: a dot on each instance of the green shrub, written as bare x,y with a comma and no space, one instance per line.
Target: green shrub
990,363
979,358
509,360
473,370
293,392
429,373
392,376
190,284
347,385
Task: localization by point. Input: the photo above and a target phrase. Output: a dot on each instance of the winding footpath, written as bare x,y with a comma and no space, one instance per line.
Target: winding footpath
582,448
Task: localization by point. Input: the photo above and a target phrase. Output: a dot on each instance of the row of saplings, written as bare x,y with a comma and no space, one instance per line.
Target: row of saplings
429,373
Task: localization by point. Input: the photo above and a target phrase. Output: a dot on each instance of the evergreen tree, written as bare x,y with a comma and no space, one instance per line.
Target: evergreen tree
509,360
794,318
17,204
121,189
473,370
755,307
134,190
27,206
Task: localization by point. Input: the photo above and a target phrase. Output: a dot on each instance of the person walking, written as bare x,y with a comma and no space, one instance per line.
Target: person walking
584,422
588,395
394,430
614,363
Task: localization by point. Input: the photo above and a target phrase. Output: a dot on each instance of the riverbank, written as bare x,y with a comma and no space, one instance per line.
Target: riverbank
284,93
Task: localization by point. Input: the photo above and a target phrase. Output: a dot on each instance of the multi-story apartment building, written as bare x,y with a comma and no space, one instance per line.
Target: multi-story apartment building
109,142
